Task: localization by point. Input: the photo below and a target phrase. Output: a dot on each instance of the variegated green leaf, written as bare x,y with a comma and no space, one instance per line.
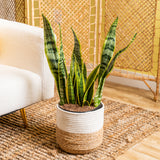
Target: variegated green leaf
75,89
77,51
90,95
62,73
90,81
81,89
108,47
72,68
98,96
75,79
70,90
62,53
61,80
80,84
51,49
85,72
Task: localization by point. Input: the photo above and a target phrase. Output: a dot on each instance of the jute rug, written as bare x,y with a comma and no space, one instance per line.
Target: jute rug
124,126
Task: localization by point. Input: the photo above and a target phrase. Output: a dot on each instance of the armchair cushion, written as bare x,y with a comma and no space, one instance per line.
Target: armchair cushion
18,88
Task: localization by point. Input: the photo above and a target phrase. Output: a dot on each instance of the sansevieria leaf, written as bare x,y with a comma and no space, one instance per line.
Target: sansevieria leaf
72,68
81,89
76,79
62,73
70,90
108,47
77,51
61,80
62,53
98,96
51,49
89,95
75,55
90,83
80,84
85,72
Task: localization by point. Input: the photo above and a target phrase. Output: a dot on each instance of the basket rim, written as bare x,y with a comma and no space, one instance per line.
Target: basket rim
100,107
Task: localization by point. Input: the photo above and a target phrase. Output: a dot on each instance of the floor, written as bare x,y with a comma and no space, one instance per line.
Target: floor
149,148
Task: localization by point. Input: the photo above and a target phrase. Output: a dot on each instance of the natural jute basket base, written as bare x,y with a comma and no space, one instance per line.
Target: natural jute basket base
76,143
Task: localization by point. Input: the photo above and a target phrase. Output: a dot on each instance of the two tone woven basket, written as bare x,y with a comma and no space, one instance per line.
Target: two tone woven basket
79,133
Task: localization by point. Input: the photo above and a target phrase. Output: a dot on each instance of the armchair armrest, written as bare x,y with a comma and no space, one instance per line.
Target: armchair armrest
22,46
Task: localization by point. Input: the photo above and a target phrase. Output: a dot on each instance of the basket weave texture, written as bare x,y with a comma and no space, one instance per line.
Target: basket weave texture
79,143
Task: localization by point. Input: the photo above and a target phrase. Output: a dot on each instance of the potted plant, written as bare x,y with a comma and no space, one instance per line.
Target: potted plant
80,114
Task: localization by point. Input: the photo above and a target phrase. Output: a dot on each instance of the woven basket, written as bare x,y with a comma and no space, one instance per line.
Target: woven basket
79,133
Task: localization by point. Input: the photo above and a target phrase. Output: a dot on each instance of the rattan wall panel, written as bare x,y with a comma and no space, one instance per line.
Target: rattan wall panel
134,16
13,10
69,13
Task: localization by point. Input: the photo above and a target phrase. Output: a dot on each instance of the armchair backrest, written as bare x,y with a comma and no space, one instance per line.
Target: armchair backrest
21,45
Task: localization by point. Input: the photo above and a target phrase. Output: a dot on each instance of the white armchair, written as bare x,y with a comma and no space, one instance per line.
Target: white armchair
25,77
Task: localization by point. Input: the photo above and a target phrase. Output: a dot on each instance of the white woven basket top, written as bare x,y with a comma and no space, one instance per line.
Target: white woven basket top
84,122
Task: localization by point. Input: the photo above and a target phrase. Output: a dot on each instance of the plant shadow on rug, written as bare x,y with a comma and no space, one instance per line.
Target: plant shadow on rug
124,126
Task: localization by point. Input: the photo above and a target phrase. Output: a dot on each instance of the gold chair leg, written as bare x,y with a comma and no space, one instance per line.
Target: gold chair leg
23,114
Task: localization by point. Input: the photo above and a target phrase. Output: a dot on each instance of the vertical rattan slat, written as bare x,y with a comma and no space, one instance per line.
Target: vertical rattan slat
158,76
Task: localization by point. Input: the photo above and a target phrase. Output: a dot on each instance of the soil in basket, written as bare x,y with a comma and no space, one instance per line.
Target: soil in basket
77,108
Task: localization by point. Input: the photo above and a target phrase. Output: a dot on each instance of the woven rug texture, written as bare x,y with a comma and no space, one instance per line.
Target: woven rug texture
124,126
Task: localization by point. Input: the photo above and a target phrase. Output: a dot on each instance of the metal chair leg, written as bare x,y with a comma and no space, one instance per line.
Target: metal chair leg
24,118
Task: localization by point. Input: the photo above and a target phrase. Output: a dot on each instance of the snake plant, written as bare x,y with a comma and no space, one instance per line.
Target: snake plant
75,87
